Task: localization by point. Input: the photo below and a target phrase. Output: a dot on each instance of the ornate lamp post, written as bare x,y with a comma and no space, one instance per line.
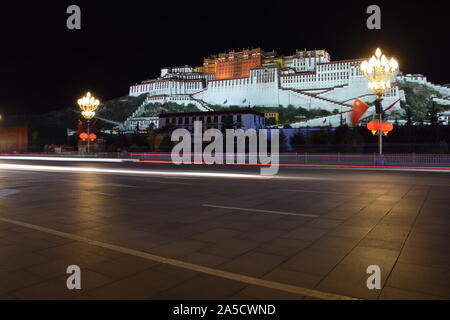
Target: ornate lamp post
88,105
379,71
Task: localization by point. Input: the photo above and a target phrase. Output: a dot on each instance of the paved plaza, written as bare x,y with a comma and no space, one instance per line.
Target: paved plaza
306,234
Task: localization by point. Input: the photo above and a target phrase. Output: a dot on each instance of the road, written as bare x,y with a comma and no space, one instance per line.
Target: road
156,231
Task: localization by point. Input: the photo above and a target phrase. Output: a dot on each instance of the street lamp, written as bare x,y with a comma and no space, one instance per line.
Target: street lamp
379,71
88,105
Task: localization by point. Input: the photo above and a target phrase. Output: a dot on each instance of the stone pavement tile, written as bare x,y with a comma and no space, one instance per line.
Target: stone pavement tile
338,214
81,247
425,257
253,264
230,248
5,226
323,223
391,293
30,242
178,248
381,244
139,286
347,281
265,219
428,240
361,221
398,221
261,234
71,228
389,232
150,241
376,209
429,219
122,267
204,259
240,225
216,235
180,274
315,263
7,297
262,293
389,198
57,288
188,231
349,208
349,232
55,239
13,250
283,246
75,254
54,267
426,280
20,261
322,207
442,229
349,277
288,223
333,244
14,280
294,278
306,233
203,287
378,254
241,295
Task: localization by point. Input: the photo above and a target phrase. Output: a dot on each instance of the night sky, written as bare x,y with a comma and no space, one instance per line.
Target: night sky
44,66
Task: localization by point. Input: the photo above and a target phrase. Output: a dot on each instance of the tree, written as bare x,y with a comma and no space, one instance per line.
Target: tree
151,139
297,140
166,144
433,112
228,123
353,141
283,146
35,141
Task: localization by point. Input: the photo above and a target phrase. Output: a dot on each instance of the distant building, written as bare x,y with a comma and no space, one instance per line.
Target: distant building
226,119
142,123
307,79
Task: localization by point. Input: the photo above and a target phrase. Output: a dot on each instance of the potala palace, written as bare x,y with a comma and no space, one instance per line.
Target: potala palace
307,79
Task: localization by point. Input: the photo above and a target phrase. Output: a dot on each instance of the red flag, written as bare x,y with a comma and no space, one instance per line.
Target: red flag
393,104
358,109
91,127
80,128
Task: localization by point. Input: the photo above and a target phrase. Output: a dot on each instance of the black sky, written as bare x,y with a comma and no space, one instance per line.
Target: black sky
44,66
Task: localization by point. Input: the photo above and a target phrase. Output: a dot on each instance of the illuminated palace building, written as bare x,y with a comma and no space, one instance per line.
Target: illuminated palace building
307,79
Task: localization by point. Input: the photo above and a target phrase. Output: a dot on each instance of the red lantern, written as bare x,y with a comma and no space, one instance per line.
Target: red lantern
386,127
92,136
373,126
84,136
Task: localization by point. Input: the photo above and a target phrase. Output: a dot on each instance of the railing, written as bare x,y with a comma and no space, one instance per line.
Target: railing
287,159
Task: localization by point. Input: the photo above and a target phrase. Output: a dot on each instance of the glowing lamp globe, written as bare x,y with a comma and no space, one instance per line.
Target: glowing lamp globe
379,71
92,136
88,105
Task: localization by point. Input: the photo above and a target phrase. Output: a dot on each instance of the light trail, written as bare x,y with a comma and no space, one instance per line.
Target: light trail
22,167
63,159
416,168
